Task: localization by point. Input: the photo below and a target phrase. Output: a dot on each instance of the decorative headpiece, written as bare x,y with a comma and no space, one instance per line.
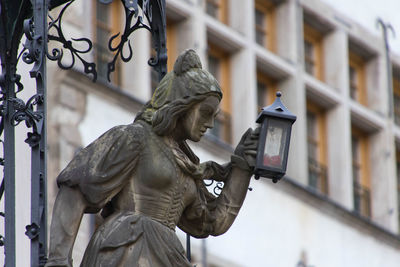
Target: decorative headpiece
187,79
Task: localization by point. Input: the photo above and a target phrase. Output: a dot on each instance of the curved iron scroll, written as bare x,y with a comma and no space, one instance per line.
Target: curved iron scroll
217,188
57,54
154,12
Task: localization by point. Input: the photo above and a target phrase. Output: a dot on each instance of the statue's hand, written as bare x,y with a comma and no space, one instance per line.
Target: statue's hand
247,147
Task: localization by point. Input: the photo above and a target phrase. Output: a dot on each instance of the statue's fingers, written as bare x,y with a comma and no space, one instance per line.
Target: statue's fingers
250,148
257,130
250,142
250,160
255,136
250,152
245,136
253,142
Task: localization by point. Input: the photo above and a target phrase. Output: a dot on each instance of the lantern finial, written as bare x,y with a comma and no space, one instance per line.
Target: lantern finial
278,94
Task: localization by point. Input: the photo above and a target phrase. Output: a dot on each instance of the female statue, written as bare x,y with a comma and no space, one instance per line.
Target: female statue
146,180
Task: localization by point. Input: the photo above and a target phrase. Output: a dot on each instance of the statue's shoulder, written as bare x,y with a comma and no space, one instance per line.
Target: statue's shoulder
135,131
137,128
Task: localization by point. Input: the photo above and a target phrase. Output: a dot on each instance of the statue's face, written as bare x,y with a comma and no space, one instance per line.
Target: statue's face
200,118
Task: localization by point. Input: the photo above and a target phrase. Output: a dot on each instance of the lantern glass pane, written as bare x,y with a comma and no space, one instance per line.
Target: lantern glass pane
275,143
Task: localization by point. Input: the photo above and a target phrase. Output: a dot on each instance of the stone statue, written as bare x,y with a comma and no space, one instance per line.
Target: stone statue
145,179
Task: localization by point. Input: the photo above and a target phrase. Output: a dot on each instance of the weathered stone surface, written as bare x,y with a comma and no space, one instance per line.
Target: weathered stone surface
145,179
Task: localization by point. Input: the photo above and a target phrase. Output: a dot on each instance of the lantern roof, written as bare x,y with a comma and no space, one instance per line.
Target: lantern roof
277,109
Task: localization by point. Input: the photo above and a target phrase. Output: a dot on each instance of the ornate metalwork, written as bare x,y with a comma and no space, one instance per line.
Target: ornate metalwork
12,14
58,55
135,13
362,199
131,11
317,176
217,188
29,17
33,112
33,119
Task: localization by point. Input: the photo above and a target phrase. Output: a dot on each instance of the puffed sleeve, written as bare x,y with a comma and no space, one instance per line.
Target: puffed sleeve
102,169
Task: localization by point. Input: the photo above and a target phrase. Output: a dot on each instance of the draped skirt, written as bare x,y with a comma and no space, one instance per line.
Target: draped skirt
134,240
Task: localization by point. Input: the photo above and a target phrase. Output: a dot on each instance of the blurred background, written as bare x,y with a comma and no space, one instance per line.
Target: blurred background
338,204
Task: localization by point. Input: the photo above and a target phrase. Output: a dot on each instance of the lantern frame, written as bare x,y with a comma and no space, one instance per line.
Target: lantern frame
275,112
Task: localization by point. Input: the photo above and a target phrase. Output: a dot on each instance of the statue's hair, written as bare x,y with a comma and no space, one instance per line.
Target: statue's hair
188,60
177,92
164,120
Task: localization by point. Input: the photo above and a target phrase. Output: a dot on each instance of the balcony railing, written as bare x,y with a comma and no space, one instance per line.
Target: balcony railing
317,176
362,200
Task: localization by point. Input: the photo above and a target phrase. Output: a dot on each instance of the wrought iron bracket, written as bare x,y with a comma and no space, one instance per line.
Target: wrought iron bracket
217,187
137,12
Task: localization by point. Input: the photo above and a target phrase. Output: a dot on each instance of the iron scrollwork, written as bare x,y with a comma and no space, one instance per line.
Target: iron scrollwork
30,17
131,11
58,55
217,188
136,12
33,119
33,112
32,53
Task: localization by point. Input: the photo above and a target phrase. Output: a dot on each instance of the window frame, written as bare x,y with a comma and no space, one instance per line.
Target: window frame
358,64
363,186
269,28
225,114
320,163
222,9
171,31
396,94
314,38
115,13
271,89
398,185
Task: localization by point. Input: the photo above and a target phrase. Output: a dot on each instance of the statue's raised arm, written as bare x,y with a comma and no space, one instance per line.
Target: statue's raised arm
146,180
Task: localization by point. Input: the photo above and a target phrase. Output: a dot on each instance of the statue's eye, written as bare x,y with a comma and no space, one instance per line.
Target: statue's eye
206,112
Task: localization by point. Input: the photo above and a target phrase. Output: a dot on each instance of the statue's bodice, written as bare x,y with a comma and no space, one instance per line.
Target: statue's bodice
158,188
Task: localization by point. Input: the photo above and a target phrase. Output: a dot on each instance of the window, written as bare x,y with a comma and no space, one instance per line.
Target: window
171,53
316,148
218,66
217,9
171,44
357,84
398,183
266,90
396,98
265,24
361,179
154,77
106,24
313,52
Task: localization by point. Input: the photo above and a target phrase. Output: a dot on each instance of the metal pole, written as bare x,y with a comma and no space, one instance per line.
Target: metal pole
37,230
9,68
204,252
12,14
188,252
386,27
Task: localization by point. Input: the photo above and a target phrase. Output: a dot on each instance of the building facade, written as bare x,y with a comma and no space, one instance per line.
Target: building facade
339,202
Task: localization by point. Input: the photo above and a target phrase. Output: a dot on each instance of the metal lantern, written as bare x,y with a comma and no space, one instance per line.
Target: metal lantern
273,147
